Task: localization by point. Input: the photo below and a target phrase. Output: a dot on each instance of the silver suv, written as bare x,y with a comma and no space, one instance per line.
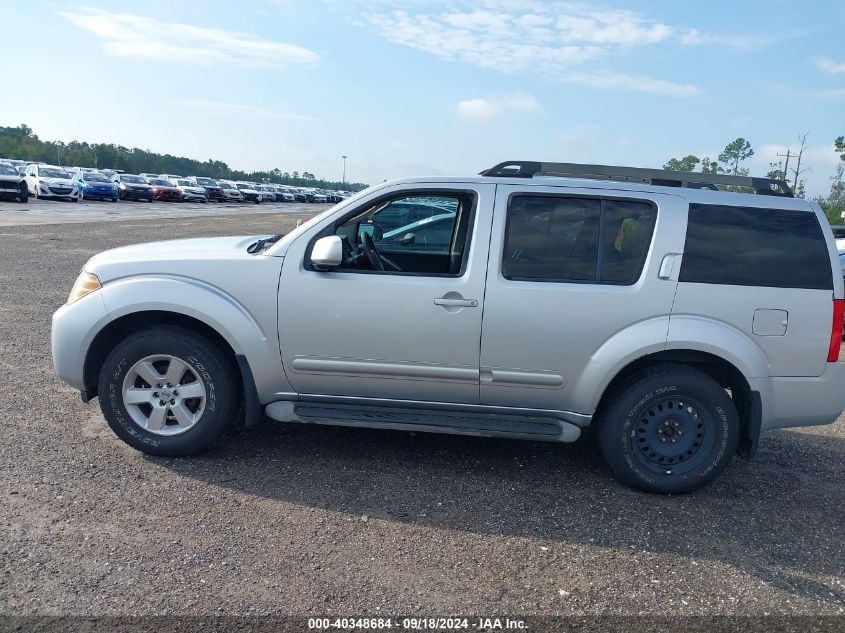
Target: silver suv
675,320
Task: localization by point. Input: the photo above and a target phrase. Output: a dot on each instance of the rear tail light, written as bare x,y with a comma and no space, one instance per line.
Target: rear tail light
836,330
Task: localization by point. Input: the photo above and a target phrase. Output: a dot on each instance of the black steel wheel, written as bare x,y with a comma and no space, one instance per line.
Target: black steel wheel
667,429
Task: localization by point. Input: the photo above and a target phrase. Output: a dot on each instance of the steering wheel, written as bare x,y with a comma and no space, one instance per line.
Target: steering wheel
371,251
376,259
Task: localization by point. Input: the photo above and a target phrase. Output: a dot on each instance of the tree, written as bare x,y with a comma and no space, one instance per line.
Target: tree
710,166
21,143
797,184
834,204
734,153
776,171
687,163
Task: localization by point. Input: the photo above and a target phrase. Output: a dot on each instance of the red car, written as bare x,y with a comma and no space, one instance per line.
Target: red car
164,190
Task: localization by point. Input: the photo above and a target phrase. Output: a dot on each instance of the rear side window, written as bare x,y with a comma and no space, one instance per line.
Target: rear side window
555,238
745,246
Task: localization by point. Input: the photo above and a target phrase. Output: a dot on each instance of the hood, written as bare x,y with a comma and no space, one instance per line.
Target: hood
171,257
99,183
55,181
198,190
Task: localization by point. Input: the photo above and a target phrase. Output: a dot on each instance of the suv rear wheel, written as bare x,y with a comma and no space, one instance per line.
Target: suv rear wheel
668,429
168,391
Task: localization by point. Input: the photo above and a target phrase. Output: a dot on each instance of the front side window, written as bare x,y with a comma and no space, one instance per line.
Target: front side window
567,239
412,234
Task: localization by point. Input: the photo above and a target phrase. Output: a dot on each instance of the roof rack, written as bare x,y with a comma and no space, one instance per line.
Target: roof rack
660,177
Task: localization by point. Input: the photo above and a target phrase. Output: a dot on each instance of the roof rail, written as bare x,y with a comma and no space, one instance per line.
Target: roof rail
660,177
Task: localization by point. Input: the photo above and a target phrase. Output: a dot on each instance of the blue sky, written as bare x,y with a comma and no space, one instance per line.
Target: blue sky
410,88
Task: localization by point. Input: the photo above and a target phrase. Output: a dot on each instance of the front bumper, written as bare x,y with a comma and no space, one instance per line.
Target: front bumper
173,196
103,194
73,330
136,194
196,197
57,191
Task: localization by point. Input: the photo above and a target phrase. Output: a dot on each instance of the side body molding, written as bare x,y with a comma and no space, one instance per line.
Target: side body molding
249,330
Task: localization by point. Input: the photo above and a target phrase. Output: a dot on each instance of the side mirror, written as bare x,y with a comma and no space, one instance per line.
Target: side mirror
327,253
408,239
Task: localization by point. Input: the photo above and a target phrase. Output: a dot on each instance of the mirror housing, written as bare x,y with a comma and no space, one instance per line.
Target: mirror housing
408,239
327,253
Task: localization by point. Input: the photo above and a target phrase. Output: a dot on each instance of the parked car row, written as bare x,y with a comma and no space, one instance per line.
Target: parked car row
21,179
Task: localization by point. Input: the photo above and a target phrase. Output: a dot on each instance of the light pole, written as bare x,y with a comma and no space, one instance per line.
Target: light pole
343,180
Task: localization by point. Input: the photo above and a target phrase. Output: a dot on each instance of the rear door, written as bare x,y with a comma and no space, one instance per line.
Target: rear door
766,272
568,270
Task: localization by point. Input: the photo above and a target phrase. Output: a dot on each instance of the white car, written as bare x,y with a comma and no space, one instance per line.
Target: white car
48,181
284,195
191,192
250,193
231,193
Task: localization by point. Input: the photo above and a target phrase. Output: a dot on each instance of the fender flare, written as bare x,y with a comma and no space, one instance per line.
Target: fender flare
210,305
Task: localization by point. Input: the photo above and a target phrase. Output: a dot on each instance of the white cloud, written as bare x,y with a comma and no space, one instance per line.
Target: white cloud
555,39
240,109
830,66
136,36
486,109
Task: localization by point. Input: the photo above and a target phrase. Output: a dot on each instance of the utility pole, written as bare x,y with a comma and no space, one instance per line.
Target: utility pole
788,155
343,180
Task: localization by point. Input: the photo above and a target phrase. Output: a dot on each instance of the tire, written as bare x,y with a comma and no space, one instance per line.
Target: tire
670,429
156,430
24,195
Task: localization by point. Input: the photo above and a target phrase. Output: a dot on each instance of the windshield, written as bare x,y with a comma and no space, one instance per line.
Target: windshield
8,170
226,185
184,183
96,178
160,183
244,187
206,181
137,179
52,172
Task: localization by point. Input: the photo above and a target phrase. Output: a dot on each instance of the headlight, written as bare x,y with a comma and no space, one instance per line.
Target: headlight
85,284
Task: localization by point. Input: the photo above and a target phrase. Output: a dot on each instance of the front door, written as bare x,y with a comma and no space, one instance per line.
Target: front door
401,317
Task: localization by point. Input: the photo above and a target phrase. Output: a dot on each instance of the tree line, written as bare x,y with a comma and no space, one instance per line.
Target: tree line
737,151
21,143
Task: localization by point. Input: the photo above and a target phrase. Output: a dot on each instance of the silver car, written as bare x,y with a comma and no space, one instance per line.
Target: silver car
675,320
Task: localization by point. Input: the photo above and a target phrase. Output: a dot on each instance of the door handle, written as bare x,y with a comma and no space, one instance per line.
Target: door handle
457,303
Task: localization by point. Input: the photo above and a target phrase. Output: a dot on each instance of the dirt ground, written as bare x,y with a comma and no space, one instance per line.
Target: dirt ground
293,519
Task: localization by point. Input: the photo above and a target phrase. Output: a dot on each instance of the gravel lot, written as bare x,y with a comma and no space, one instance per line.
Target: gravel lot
295,519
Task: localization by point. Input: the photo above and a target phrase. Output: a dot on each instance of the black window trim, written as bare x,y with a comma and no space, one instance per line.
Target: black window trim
396,195
603,200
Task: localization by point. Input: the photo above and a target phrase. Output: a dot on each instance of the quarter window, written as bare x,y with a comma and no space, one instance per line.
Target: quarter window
746,246
555,238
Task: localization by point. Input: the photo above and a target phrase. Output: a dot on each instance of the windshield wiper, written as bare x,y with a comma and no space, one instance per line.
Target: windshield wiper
260,245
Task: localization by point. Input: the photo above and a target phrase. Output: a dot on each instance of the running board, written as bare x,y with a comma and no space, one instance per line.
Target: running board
427,420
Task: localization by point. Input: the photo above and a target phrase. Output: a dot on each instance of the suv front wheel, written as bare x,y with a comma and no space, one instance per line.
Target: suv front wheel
668,429
168,391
